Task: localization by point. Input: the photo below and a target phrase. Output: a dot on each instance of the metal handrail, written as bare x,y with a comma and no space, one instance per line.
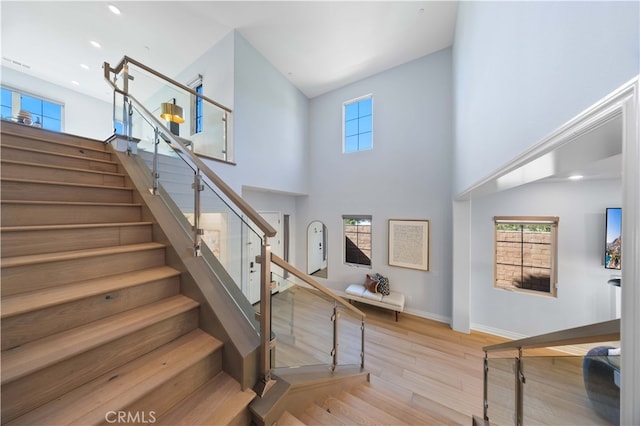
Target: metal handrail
324,290
598,332
127,60
242,205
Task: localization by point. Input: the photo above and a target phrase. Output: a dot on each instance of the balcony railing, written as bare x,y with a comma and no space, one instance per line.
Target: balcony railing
230,236
538,381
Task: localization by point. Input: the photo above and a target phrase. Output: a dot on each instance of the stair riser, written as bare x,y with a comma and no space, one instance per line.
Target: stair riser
54,381
161,399
41,191
95,152
15,154
22,243
24,328
20,279
16,214
51,174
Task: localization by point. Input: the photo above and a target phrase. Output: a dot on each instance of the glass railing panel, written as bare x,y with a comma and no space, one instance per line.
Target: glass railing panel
229,244
202,125
501,390
349,337
301,324
562,390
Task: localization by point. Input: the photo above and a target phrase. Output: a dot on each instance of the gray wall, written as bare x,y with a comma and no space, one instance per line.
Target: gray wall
583,297
522,69
405,176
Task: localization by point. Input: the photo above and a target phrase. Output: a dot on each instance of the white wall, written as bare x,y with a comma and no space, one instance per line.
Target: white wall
405,176
522,69
98,124
583,297
270,126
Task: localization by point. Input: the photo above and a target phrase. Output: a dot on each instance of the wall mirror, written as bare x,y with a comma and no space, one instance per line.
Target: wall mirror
317,249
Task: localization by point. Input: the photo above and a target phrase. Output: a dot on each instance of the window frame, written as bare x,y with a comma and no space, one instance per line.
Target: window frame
552,221
368,218
197,106
344,123
38,118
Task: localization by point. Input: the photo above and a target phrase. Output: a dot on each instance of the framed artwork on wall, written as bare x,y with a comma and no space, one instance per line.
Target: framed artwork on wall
409,243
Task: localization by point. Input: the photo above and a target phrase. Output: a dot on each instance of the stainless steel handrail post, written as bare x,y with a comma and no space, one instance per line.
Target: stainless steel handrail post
198,187
362,344
485,388
334,351
154,172
266,344
519,377
125,98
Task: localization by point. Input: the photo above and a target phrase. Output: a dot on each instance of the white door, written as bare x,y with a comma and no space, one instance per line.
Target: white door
254,245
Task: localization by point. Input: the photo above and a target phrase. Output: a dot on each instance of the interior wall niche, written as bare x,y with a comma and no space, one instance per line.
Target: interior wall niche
317,249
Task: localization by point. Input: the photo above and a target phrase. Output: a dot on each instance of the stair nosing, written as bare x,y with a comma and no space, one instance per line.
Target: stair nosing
71,203
66,184
57,154
74,169
28,228
48,351
35,259
59,295
12,132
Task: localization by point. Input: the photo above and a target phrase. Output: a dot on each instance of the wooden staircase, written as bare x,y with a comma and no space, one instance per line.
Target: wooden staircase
364,404
94,327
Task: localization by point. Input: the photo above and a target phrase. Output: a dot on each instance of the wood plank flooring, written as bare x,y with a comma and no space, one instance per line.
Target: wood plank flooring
430,365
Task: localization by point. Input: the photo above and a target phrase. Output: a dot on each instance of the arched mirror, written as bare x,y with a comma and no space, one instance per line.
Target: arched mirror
317,249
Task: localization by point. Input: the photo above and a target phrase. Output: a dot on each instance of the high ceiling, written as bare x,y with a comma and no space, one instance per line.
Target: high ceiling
318,45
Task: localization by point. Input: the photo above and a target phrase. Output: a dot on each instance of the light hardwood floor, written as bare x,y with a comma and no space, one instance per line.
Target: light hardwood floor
429,364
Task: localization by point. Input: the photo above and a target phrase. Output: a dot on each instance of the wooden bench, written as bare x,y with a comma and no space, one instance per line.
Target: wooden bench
357,292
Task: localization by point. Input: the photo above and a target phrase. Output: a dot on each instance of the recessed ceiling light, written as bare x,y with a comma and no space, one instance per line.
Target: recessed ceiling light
75,83
114,9
84,66
575,177
95,44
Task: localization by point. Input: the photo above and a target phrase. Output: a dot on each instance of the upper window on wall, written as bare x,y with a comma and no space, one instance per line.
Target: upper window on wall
358,124
45,114
196,105
526,254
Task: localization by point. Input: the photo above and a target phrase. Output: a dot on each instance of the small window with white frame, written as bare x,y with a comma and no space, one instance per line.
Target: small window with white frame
358,124
357,240
526,253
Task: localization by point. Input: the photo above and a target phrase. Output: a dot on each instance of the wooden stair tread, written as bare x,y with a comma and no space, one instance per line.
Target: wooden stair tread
57,154
316,415
56,167
39,299
8,262
348,414
33,356
43,135
216,402
120,387
288,419
371,410
71,226
394,405
65,184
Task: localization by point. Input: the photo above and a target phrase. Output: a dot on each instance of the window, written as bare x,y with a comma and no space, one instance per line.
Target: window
357,240
358,124
526,253
196,105
45,114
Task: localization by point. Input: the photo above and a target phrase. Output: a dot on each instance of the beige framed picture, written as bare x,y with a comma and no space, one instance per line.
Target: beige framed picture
409,243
